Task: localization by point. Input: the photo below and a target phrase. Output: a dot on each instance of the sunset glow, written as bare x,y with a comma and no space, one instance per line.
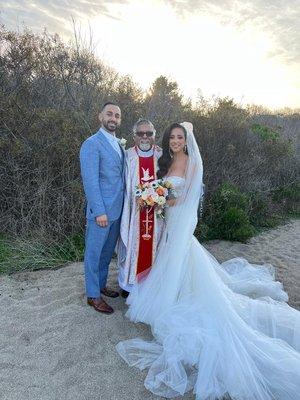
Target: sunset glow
207,53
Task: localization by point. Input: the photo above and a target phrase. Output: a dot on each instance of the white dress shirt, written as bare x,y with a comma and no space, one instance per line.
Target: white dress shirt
113,140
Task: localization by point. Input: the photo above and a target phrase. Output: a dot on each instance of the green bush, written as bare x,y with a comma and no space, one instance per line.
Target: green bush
288,198
4,250
72,248
50,95
233,215
265,132
202,231
235,224
258,208
227,215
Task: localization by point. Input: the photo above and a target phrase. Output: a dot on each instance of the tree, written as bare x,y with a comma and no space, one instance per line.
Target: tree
164,103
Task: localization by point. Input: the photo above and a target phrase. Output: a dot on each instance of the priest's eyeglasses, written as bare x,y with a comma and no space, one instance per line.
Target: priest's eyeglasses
141,134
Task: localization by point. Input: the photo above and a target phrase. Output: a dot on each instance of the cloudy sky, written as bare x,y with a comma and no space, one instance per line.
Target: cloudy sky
248,50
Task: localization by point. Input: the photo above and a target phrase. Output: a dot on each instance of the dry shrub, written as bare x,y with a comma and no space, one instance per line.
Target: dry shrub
50,95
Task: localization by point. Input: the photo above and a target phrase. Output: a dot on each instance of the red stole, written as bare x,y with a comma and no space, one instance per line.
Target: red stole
146,220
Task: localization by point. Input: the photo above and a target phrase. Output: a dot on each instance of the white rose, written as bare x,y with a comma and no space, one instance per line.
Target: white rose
155,197
161,200
122,142
144,195
151,191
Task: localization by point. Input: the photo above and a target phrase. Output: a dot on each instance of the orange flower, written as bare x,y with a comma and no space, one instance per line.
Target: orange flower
160,191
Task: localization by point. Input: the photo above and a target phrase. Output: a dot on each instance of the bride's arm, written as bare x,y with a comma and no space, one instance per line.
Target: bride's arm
171,202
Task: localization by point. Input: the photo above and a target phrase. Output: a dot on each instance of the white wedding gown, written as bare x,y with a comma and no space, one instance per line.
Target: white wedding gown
223,331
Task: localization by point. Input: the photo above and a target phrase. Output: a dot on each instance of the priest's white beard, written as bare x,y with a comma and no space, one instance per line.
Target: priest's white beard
144,146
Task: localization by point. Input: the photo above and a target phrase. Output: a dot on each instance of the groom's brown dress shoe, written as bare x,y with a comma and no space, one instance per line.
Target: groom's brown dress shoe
109,293
100,305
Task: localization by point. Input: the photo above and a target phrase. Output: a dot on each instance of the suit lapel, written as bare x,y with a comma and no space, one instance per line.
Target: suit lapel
109,149
123,153
123,161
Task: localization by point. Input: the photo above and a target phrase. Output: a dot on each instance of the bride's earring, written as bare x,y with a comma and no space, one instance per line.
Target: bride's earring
170,153
185,149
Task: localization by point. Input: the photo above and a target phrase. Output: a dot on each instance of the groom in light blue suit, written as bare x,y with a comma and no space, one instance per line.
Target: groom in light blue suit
102,161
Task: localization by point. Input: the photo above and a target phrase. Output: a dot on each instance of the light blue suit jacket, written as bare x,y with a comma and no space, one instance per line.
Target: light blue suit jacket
102,171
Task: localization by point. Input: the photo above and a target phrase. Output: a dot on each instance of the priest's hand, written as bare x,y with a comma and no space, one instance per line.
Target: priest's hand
102,220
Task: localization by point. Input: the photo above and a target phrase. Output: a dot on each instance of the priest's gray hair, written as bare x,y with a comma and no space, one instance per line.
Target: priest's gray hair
143,121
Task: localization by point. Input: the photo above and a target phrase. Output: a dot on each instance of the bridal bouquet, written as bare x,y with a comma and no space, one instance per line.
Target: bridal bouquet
155,194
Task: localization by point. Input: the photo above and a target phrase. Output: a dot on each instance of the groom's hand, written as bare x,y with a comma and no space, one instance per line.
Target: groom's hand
102,220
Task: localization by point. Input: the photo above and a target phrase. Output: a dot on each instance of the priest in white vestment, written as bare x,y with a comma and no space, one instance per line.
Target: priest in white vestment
140,229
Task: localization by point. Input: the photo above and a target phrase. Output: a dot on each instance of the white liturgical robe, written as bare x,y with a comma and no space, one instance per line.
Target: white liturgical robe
128,245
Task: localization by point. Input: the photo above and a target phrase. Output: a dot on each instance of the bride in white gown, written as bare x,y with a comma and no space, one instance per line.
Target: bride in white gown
223,331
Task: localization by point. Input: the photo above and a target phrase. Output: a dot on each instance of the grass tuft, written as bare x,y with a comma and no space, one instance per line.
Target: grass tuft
18,254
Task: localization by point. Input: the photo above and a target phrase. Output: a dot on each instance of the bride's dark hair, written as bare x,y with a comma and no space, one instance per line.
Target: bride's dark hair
165,161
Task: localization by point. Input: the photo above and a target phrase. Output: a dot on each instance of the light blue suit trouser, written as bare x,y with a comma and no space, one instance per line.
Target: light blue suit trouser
99,247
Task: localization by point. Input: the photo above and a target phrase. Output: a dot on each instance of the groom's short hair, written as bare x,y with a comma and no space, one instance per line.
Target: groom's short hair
109,103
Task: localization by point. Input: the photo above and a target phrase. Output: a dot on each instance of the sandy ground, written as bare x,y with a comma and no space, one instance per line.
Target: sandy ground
53,346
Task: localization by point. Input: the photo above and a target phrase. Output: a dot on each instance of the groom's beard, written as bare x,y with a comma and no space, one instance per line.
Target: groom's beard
145,146
110,126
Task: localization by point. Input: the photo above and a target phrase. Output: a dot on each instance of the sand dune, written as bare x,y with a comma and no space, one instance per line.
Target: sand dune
54,347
